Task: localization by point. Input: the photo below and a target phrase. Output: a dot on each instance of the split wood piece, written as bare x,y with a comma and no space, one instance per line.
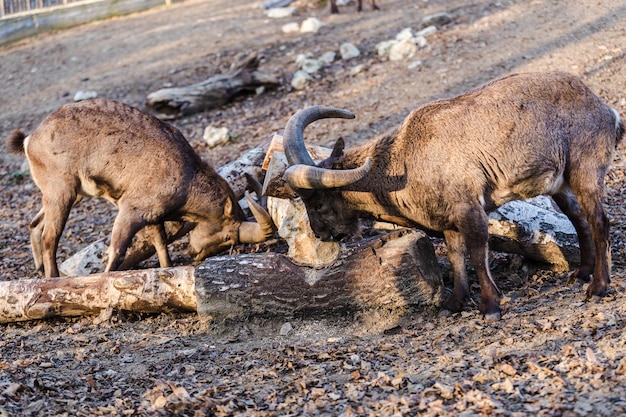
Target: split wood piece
391,272
147,291
275,164
292,222
170,103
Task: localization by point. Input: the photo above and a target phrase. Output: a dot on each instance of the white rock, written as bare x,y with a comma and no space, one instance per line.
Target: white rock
427,31
270,4
311,25
348,51
278,12
402,50
301,58
404,34
285,329
383,48
534,229
85,95
357,69
87,261
292,27
420,41
292,221
415,64
300,80
328,57
311,66
215,136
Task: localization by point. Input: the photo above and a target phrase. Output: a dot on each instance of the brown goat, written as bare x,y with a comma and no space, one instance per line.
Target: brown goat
359,6
454,160
144,166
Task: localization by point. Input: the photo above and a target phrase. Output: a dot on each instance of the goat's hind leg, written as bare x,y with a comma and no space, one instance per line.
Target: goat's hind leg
456,255
48,230
473,226
569,205
591,205
36,230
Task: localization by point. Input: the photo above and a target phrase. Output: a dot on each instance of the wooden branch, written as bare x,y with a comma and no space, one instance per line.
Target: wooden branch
389,272
170,103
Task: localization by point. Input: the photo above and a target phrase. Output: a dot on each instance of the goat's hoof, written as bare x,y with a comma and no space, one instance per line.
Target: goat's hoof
596,290
578,277
453,305
496,316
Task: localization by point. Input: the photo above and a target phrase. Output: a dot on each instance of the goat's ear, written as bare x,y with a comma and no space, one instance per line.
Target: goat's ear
228,207
338,148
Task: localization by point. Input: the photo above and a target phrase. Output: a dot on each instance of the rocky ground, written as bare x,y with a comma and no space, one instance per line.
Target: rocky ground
552,354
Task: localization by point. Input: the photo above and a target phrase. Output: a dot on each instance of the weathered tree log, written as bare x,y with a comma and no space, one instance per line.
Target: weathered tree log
535,230
149,291
170,103
389,272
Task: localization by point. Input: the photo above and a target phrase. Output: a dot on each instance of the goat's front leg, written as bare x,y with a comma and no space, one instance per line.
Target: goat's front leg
159,240
127,223
456,255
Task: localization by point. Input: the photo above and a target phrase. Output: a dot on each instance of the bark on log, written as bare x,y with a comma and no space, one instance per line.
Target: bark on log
390,272
170,103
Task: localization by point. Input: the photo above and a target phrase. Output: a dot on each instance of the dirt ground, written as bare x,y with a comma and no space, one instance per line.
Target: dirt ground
552,354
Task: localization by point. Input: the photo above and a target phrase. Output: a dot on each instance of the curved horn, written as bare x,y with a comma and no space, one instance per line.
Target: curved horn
312,177
259,231
293,140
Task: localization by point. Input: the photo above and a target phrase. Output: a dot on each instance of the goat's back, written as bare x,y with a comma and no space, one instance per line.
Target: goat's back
513,128
109,149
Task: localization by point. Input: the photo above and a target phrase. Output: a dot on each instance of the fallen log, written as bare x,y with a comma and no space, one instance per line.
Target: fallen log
244,76
149,291
391,272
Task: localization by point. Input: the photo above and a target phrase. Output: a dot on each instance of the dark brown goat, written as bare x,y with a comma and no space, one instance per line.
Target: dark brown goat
452,161
359,6
142,165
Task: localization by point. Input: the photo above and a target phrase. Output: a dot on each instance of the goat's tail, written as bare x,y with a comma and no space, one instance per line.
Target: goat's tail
619,127
15,142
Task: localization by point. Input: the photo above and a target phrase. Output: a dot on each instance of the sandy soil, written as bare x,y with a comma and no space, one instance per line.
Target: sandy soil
552,354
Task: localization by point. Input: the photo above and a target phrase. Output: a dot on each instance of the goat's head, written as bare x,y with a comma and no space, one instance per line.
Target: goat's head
216,235
318,186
